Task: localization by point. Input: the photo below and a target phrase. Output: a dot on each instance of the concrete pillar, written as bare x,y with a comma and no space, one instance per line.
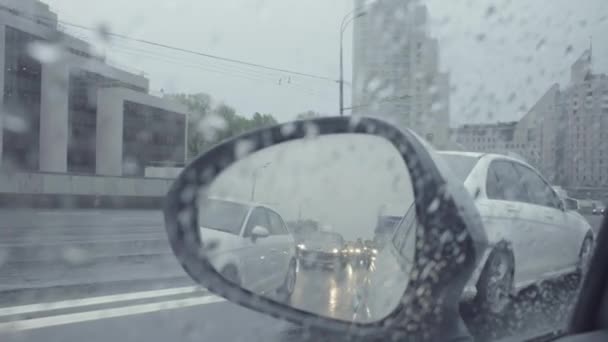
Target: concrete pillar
54,117
108,159
2,69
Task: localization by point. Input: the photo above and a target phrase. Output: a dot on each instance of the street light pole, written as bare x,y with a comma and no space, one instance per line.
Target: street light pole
342,28
255,178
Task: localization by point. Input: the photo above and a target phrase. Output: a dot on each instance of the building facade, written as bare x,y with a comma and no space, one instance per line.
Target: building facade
585,102
565,133
534,137
396,69
50,106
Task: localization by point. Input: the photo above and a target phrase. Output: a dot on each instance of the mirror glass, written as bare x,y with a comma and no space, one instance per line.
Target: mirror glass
311,223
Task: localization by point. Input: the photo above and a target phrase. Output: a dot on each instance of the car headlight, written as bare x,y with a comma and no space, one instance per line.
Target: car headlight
335,251
301,246
358,250
351,250
374,251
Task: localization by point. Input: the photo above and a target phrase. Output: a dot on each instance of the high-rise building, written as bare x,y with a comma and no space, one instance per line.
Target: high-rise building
51,119
396,69
585,102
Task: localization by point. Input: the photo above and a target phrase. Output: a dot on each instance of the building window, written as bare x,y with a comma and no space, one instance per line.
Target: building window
152,136
22,93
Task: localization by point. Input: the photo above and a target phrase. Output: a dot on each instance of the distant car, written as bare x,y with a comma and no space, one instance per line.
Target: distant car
254,247
599,211
322,250
522,215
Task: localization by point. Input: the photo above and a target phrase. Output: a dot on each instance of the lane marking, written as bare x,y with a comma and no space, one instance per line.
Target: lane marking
44,322
73,303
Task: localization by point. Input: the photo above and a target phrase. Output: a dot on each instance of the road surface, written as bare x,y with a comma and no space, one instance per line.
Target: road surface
161,308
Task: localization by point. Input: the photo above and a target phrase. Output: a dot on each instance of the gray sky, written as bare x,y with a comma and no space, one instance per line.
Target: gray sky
341,180
502,55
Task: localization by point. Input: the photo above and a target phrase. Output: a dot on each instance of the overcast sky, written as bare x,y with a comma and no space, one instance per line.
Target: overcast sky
502,55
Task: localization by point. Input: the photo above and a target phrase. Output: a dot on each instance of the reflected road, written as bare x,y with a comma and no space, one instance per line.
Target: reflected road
329,292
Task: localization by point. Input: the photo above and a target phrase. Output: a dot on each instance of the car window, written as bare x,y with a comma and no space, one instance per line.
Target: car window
224,216
503,182
258,217
538,191
103,104
277,227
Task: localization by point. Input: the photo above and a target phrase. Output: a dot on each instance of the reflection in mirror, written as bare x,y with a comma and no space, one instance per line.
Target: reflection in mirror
311,223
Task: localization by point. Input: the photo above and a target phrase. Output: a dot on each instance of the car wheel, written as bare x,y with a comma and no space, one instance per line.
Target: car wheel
231,274
585,254
289,284
496,283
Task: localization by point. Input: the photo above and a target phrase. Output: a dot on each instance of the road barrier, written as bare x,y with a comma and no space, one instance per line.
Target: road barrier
60,190
83,250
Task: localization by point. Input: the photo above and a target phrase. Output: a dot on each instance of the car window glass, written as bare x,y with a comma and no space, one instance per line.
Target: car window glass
258,218
276,224
503,183
538,191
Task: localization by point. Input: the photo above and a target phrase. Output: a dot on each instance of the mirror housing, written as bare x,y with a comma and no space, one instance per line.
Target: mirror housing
450,240
259,232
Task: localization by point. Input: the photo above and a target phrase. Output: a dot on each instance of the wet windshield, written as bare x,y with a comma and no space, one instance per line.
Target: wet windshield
105,103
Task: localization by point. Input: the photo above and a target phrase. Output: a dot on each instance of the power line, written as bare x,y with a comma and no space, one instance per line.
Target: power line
217,69
166,46
201,54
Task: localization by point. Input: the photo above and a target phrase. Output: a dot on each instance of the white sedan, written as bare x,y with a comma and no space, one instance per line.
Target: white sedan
252,246
532,236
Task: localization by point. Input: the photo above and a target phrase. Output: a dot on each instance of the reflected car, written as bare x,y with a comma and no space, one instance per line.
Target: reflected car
251,245
358,254
322,250
522,215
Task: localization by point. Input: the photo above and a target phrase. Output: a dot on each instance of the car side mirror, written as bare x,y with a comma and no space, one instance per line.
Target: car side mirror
259,232
313,169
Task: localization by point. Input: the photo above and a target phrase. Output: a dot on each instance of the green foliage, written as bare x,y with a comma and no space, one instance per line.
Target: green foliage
209,124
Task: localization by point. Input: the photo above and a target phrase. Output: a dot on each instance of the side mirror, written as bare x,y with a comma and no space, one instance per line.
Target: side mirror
337,171
259,232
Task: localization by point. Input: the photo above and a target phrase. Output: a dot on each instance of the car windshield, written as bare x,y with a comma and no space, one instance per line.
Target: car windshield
222,215
105,104
460,165
325,240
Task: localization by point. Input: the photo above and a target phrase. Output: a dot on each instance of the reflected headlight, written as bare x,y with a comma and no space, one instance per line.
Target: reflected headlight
335,251
374,251
350,250
358,250
301,246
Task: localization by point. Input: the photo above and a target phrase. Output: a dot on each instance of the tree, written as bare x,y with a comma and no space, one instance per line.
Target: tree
208,125
199,106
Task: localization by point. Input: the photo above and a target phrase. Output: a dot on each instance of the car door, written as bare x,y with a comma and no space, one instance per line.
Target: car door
257,253
507,218
282,247
558,238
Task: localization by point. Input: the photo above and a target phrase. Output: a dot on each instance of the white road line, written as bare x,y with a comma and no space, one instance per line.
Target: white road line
22,309
45,322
